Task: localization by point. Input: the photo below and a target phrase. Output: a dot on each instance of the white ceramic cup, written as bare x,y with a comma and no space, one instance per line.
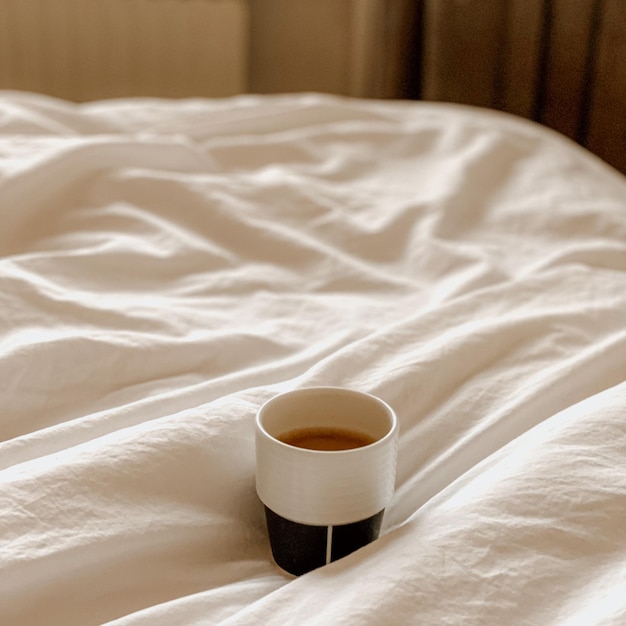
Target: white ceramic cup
320,504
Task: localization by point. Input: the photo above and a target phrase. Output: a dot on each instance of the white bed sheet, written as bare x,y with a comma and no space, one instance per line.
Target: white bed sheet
168,266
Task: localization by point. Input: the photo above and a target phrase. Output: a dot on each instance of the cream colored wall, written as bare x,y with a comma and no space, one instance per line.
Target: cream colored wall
349,47
298,45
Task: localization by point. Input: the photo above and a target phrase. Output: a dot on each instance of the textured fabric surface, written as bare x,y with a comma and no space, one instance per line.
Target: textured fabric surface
167,266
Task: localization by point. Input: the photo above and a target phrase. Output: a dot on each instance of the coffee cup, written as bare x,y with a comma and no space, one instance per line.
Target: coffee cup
325,472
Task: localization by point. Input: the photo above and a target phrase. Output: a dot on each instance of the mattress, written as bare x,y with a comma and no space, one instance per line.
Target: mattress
168,266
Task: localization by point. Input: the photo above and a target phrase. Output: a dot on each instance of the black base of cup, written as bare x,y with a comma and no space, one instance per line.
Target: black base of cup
299,548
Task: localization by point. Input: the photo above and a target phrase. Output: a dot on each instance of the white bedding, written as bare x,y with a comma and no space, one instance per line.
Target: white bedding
168,266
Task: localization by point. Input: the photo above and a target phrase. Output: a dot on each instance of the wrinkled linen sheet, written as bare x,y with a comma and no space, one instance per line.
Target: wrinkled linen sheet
166,267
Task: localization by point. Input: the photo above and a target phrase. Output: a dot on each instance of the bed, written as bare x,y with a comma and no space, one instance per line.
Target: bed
166,266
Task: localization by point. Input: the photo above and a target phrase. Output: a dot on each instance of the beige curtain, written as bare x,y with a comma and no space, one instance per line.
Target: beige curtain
89,49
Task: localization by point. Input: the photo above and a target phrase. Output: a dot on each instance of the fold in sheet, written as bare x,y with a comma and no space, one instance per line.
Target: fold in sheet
167,266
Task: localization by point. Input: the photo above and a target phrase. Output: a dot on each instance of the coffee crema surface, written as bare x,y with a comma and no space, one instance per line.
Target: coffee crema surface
326,438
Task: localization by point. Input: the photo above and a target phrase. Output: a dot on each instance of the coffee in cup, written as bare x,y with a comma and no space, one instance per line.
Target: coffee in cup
317,438
326,461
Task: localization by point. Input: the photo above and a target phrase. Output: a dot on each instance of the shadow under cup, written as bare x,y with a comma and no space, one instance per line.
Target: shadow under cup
321,505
